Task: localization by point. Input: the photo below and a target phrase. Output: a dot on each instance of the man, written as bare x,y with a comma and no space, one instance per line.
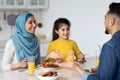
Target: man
109,67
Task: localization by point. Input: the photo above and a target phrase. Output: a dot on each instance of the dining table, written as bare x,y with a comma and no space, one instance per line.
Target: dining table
65,74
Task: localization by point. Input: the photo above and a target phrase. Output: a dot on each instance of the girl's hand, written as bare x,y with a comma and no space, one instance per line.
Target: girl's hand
23,63
81,57
58,60
55,55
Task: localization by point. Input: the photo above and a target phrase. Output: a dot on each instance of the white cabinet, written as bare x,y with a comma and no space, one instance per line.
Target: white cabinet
23,4
13,4
35,4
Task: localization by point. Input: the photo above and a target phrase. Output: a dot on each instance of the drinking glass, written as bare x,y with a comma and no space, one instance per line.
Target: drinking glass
31,65
71,56
97,62
97,55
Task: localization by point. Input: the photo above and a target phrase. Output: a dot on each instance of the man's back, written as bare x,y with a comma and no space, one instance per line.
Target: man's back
109,68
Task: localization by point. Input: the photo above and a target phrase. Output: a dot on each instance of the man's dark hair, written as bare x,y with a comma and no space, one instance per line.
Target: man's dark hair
114,8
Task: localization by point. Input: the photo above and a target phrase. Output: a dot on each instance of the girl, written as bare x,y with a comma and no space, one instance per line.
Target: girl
61,45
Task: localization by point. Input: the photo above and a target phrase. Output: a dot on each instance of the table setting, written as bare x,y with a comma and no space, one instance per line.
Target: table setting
62,74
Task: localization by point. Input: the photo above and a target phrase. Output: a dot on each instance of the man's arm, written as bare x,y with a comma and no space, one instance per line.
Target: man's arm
107,66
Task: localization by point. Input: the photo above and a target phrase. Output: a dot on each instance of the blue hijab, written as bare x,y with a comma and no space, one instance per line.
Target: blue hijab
26,44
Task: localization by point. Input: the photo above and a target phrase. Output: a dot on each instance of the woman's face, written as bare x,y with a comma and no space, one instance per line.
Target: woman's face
63,32
30,24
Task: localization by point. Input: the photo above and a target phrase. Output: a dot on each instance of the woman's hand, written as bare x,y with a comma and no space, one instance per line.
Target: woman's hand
23,63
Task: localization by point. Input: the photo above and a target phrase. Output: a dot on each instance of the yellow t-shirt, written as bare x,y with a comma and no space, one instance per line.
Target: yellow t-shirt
64,47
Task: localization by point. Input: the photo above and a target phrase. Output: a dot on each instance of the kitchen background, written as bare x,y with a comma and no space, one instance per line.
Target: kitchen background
86,17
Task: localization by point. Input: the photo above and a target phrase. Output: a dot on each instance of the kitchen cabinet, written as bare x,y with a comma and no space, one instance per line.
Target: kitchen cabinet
35,4
13,4
23,4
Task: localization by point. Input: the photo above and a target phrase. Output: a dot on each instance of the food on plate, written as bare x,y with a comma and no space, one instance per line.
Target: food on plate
49,73
93,70
47,64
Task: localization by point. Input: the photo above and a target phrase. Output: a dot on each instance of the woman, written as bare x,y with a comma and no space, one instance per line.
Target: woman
22,44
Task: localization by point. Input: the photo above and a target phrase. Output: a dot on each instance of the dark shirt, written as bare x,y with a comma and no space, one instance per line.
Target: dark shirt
109,66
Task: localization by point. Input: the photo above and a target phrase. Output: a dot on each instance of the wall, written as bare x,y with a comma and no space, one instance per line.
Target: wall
6,29
87,19
86,16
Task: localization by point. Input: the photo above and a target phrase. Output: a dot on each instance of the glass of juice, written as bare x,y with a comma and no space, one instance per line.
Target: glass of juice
31,65
97,62
97,56
71,56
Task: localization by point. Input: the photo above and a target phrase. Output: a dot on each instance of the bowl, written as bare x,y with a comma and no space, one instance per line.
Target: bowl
47,77
47,69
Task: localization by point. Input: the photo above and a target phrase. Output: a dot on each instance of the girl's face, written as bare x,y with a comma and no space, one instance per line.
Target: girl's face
63,32
31,25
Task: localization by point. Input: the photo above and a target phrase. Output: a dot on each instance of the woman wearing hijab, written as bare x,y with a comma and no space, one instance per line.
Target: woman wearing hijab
22,44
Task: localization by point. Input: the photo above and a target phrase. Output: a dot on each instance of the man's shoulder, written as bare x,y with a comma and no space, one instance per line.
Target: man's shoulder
112,43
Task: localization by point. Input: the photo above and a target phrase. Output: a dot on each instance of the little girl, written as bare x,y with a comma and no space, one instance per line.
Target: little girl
61,45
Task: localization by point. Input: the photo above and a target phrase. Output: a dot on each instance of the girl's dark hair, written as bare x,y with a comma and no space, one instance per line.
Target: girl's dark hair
57,25
114,8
